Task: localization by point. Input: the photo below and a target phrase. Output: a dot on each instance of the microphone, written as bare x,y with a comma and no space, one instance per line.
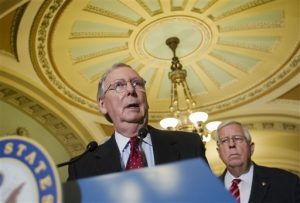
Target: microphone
141,135
89,148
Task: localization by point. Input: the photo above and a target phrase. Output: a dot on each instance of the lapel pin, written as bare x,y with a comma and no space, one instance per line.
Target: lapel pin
263,183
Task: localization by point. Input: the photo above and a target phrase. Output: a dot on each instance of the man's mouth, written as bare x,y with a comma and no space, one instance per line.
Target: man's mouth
133,105
233,155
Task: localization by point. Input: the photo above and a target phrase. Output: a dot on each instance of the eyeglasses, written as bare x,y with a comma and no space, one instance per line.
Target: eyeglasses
121,85
236,139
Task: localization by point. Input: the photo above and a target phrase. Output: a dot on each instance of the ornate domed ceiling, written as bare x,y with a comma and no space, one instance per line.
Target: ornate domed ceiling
228,61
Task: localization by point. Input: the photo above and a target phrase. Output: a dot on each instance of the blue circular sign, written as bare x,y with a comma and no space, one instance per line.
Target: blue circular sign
27,172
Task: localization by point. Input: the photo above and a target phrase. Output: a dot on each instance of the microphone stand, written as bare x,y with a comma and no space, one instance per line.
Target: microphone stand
141,135
89,148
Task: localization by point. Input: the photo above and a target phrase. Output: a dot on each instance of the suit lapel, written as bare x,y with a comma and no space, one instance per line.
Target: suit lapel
260,185
108,157
164,147
222,177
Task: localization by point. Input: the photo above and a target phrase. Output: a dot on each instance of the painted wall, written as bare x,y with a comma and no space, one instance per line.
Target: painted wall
11,119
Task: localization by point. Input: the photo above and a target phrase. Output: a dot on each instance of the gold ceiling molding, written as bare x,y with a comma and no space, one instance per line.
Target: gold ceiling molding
239,66
99,53
7,7
78,35
113,15
276,21
15,28
178,5
15,91
244,42
292,94
239,9
89,65
8,45
40,37
287,127
281,76
145,5
58,128
290,69
204,8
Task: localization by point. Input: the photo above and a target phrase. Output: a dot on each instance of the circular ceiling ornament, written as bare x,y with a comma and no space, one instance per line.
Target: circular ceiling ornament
194,34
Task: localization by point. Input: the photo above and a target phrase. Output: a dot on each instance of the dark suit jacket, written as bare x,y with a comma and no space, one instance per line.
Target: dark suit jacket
273,185
168,146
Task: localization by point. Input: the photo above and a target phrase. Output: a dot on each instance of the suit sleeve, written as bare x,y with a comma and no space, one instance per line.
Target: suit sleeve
297,189
202,149
192,146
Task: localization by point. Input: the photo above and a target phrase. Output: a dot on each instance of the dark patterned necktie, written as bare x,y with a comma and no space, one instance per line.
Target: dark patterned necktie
135,159
234,189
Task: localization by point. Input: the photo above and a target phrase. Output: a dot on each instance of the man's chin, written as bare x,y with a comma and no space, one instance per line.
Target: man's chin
139,120
235,162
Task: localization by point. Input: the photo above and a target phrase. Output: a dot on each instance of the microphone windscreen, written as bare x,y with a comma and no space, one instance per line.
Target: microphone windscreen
142,133
91,146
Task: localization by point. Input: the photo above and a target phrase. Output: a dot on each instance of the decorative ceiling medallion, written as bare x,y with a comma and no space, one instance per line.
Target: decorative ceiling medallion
194,34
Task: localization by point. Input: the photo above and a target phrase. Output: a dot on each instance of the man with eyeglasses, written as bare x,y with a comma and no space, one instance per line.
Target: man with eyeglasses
122,100
247,181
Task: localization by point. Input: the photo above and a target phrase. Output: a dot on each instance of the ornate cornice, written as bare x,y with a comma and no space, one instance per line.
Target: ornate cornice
39,44
49,120
55,124
273,126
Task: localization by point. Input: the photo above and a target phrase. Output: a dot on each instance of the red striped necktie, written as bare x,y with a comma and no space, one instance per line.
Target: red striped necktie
135,159
234,189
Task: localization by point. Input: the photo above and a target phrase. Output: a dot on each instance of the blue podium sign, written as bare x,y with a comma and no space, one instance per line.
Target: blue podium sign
178,182
27,172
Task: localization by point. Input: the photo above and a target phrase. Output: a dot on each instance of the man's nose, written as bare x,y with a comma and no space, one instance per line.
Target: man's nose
130,88
231,142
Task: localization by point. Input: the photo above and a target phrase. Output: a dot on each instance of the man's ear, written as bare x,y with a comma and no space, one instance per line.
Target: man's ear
252,147
102,107
218,150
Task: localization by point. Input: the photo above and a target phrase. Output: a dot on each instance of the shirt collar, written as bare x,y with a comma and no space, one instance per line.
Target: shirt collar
147,139
246,177
122,141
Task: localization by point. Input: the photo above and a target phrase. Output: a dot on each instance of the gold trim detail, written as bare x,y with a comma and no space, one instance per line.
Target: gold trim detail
239,9
49,120
42,63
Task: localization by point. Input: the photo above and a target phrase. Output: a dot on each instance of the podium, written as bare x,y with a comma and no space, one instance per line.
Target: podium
177,182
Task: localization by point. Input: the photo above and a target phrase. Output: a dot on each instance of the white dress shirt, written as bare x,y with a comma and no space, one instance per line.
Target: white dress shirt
124,148
244,185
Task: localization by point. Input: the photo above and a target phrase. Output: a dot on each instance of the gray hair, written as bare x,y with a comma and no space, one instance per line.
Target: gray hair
101,84
226,123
